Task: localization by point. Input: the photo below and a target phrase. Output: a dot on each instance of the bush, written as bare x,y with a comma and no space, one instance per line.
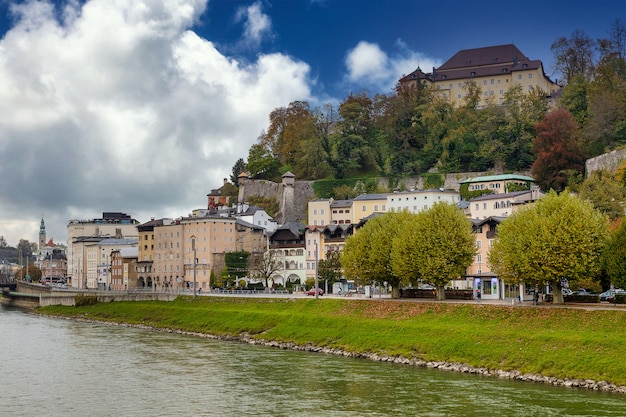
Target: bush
577,298
256,286
620,299
85,300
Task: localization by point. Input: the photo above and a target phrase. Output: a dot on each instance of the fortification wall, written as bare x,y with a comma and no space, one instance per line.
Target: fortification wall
608,162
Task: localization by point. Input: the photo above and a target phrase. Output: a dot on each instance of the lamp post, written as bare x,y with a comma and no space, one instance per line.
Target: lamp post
193,248
316,281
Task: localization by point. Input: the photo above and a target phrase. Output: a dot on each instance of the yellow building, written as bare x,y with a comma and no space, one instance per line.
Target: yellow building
209,238
367,204
493,69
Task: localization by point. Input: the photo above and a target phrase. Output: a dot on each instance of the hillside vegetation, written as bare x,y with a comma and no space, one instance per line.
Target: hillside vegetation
414,131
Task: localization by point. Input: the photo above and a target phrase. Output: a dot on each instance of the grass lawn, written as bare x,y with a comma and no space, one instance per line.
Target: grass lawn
559,342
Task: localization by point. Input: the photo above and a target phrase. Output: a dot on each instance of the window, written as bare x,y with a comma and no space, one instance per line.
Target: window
458,96
459,85
476,206
478,244
451,86
530,76
479,258
501,92
383,208
484,206
484,82
363,209
322,212
376,207
492,81
315,212
519,76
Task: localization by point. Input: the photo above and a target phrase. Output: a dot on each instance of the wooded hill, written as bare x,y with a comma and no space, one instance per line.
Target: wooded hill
414,131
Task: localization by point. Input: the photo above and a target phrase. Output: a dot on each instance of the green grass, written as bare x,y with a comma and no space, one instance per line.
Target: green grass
565,343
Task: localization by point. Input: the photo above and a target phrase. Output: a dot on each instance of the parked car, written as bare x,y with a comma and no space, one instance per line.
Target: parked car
312,291
611,298
606,294
566,292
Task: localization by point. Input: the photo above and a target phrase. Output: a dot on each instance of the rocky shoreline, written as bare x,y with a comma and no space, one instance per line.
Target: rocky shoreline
588,384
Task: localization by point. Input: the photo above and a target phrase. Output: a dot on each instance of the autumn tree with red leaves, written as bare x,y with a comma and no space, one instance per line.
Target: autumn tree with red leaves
557,150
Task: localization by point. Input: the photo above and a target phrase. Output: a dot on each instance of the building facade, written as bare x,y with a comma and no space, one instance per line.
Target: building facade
494,70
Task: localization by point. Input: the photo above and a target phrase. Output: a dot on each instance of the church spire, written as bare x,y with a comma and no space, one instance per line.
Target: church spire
42,234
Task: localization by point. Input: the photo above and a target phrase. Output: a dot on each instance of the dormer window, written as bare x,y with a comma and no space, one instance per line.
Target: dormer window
473,73
504,70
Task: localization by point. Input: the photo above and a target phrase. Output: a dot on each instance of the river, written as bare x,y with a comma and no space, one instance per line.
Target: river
54,367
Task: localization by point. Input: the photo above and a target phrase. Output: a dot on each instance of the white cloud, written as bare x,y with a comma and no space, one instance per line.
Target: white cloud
121,107
257,25
369,67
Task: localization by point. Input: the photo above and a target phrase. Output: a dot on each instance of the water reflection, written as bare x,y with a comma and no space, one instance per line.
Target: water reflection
66,368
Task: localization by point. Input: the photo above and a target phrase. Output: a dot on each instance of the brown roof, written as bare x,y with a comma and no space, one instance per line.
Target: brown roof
488,55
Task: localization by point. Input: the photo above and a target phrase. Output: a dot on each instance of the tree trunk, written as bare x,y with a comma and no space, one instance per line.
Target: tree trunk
557,294
441,292
395,292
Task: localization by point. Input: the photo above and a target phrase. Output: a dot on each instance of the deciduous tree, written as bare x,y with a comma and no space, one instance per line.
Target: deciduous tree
614,257
437,247
559,237
556,147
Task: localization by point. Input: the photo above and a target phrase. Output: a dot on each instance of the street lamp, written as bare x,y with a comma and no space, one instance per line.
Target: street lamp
193,248
316,261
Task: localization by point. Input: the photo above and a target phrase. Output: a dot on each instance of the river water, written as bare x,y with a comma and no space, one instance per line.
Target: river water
53,367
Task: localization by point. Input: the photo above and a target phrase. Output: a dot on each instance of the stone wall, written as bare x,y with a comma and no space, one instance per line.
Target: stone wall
608,162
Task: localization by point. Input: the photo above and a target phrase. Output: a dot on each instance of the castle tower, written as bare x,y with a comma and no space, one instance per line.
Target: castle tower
42,235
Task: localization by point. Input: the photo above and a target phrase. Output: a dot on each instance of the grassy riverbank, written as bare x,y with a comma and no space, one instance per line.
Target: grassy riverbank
559,342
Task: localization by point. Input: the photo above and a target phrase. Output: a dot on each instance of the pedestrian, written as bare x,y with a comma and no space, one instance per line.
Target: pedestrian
478,295
536,297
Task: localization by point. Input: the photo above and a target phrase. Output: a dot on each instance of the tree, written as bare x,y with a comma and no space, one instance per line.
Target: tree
605,193
614,257
559,237
329,269
574,56
262,164
3,242
238,168
236,263
25,248
366,256
557,150
265,266
437,247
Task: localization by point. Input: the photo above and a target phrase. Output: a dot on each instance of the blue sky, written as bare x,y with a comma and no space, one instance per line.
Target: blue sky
144,106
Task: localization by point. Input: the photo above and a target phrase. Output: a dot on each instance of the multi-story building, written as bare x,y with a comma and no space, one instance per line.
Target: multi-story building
168,264
498,184
112,224
493,69
206,239
420,200
501,205
124,269
288,246
367,204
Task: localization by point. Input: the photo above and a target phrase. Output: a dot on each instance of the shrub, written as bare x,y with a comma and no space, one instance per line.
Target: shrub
577,298
85,300
620,299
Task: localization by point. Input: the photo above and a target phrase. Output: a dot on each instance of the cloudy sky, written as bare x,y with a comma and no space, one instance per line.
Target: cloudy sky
143,106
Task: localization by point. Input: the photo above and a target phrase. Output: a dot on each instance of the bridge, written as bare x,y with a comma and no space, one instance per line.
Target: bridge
8,283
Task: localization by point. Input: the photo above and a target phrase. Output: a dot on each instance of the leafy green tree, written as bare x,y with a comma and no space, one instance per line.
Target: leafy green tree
25,248
262,164
559,237
366,256
236,263
605,193
614,257
238,168
329,269
437,247
3,242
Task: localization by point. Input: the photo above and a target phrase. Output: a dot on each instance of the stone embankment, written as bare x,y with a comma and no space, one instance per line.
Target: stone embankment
444,366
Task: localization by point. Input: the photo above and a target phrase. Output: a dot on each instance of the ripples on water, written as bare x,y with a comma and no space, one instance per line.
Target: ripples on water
55,367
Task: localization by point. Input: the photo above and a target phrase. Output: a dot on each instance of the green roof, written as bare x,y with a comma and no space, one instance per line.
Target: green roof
503,177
